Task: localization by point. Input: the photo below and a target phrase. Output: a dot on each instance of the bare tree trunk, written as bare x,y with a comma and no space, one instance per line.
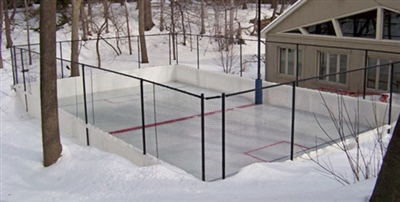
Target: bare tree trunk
1,32
172,4
84,22
28,38
106,15
244,5
48,83
162,15
100,30
256,16
231,18
182,22
142,37
9,42
255,27
76,4
216,19
226,28
89,2
90,15
127,26
148,18
202,29
14,4
274,5
387,187
117,30
283,7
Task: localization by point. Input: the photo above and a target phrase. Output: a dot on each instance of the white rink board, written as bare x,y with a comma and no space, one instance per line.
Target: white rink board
267,143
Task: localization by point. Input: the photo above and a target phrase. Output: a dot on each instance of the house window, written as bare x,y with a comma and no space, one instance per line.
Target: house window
294,31
287,61
330,63
379,78
360,25
322,29
391,25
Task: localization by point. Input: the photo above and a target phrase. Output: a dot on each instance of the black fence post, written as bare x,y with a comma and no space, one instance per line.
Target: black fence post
365,73
12,63
16,66
176,48
61,57
223,134
390,95
138,48
143,116
293,120
85,104
23,69
297,63
169,48
198,54
203,165
241,59
23,78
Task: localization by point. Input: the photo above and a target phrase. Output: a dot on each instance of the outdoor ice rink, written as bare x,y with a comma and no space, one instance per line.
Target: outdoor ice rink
253,133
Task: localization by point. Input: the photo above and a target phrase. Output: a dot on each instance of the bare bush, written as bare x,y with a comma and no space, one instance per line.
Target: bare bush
364,162
227,58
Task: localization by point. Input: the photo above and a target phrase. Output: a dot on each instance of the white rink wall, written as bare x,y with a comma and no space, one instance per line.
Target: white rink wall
369,113
74,127
306,100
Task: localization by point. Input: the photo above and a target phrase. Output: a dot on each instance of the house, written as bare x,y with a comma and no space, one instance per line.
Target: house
315,38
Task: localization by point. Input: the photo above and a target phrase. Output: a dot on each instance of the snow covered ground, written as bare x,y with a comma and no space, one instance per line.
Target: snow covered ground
87,174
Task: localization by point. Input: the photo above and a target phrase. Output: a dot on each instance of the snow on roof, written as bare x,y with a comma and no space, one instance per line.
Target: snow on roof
282,17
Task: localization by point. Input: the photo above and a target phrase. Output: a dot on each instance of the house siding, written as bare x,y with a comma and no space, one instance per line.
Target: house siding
355,48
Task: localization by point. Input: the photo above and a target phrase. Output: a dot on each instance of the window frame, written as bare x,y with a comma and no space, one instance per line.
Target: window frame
387,23
286,69
325,67
325,28
358,25
381,64
380,26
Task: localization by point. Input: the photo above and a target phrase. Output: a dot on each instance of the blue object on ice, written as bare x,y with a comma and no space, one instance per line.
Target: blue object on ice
259,93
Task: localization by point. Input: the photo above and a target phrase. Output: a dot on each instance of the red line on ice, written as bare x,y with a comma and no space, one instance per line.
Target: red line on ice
248,153
175,120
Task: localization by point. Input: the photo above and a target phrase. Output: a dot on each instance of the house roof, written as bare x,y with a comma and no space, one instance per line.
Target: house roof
282,17
309,12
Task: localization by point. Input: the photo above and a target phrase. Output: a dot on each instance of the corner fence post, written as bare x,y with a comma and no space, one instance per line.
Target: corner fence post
143,116
293,120
85,104
198,54
390,95
223,135
297,63
258,92
203,165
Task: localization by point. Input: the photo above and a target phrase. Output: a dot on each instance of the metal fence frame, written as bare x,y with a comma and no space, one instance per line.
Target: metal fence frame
171,46
16,68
